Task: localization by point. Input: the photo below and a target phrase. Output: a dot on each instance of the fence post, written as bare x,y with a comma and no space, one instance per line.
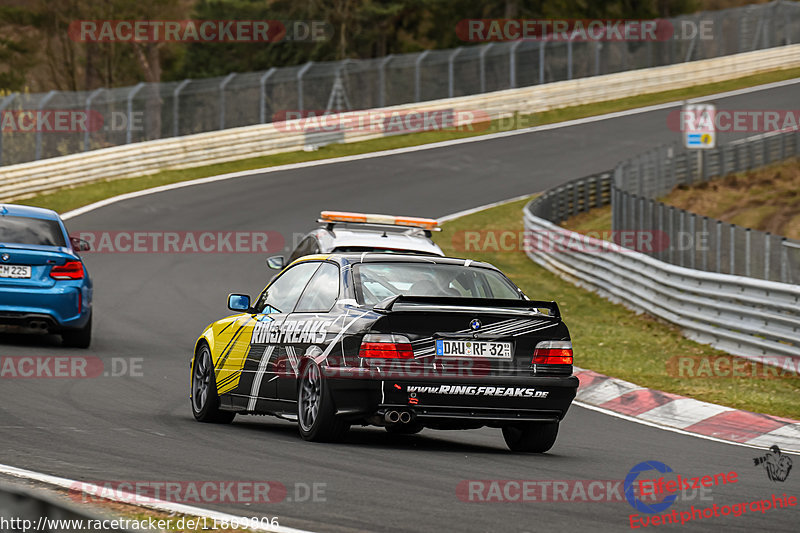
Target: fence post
671,234
747,257
300,74
541,61
569,59
598,45
732,247
450,72
88,108
681,230
44,101
718,242
512,65
418,75
262,95
693,234
176,95
131,94
7,100
224,83
482,62
660,226
705,237
382,79
784,261
766,254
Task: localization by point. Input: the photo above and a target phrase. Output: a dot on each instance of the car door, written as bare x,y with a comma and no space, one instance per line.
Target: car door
264,346
310,326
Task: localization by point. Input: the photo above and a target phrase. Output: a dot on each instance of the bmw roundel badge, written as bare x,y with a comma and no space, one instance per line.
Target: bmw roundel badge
6,257
475,324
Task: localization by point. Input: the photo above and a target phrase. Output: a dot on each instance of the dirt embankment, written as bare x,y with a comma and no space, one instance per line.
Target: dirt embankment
767,199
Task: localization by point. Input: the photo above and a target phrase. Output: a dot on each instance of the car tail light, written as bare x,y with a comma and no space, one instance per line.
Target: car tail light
553,353
69,270
386,346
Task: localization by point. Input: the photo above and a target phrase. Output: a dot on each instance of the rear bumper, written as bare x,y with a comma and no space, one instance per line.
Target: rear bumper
56,306
489,399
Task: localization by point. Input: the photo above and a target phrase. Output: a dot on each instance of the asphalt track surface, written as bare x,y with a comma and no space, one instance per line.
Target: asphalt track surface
153,306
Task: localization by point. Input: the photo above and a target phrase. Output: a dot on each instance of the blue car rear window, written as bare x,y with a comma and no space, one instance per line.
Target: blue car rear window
25,230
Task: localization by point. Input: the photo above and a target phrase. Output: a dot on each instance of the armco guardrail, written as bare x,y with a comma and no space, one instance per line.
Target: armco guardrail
743,316
697,241
253,141
24,510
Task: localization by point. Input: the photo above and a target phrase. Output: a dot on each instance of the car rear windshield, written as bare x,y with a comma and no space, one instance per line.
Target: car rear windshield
26,230
375,282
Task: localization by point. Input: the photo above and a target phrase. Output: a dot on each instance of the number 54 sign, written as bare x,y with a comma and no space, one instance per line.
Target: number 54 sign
698,126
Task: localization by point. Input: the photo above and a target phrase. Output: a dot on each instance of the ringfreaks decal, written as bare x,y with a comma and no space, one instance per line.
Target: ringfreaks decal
472,390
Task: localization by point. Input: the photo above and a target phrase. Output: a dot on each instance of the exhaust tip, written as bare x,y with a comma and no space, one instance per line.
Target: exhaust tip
392,417
405,417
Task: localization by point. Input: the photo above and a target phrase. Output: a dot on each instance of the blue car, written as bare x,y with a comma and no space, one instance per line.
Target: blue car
44,285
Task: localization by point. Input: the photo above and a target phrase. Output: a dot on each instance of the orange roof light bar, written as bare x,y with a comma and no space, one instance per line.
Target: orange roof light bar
429,224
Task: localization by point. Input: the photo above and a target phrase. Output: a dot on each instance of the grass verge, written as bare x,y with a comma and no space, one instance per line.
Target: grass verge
70,198
613,340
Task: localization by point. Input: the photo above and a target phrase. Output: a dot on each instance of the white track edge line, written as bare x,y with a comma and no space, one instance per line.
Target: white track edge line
430,146
158,505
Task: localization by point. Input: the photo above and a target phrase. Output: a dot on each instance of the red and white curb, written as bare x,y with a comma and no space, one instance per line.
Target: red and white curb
686,415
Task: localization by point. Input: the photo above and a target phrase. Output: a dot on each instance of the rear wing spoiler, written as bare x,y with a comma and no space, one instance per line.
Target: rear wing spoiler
534,306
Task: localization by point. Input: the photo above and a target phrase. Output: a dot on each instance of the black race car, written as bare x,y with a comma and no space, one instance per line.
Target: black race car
400,341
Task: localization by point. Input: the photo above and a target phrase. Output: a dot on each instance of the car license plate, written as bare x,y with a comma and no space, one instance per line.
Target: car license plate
448,348
15,271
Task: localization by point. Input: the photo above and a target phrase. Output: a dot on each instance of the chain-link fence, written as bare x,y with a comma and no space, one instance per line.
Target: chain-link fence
71,122
686,239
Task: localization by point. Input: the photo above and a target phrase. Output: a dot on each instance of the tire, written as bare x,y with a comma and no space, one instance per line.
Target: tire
78,338
404,429
205,400
316,414
531,437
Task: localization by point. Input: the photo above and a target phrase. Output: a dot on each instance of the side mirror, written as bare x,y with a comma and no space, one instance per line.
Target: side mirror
276,262
79,245
238,302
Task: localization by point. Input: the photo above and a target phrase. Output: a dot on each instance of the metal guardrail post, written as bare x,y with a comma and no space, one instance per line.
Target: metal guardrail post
382,80
88,108
224,83
176,117
41,105
3,103
131,94
732,248
262,94
451,72
418,75
705,250
482,64
693,237
300,74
